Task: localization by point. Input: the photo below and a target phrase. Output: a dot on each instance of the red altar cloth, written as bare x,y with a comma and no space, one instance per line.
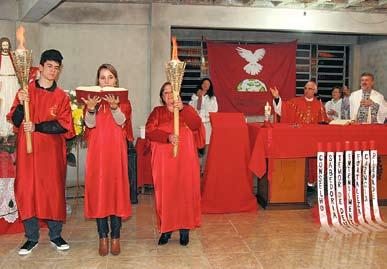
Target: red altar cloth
144,169
227,185
285,141
7,170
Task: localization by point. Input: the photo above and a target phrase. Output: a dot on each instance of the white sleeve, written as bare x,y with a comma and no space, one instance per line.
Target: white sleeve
382,113
211,105
327,106
277,107
118,116
90,120
353,106
194,101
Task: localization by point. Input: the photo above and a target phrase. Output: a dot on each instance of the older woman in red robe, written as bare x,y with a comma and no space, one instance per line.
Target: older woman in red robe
176,179
106,181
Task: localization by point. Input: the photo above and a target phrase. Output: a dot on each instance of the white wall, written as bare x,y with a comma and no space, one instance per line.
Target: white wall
164,16
8,10
90,35
373,58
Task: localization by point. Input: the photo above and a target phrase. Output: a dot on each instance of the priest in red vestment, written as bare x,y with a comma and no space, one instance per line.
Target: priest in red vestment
41,175
305,109
176,179
109,127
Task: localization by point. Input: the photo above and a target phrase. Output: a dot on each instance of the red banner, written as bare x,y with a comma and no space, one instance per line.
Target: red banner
243,74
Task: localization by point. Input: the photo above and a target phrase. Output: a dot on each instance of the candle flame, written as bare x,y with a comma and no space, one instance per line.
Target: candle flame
20,37
174,49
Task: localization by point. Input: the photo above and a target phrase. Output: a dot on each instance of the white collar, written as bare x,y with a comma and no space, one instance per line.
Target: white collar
309,99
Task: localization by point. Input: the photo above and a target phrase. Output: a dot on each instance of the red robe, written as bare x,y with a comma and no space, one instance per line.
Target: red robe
176,180
41,175
106,178
299,110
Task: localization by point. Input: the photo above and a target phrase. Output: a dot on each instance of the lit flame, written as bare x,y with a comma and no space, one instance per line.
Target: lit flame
174,49
20,37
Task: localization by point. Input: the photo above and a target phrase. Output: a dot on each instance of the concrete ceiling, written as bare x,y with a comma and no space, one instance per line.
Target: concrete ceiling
369,6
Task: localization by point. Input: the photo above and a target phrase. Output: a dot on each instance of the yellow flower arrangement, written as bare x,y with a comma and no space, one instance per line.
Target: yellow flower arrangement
76,113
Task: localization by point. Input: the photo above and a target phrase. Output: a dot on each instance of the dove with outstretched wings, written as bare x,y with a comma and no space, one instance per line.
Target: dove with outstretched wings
253,67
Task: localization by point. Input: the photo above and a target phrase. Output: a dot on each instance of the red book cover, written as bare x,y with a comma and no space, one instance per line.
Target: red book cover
85,92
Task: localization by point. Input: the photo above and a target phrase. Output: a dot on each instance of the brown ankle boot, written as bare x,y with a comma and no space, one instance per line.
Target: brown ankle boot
103,247
115,247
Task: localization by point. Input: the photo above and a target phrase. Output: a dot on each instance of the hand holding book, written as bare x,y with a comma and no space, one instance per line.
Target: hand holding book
91,102
84,93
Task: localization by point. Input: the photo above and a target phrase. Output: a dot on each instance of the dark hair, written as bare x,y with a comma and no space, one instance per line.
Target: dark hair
162,91
339,88
6,39
109,67
210,91
367,74
51,55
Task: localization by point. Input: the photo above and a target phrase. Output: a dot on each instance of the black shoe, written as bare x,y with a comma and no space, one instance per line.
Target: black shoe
71,160
164,238
311,189
27,247
184,237
311,199
60,244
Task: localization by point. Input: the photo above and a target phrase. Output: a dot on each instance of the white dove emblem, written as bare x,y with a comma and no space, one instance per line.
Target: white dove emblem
253,67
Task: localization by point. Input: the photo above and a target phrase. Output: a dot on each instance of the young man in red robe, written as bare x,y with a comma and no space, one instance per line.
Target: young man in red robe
41,175
305,109
176,179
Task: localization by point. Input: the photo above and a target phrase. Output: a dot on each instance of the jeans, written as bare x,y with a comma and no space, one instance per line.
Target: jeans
31,228
103,227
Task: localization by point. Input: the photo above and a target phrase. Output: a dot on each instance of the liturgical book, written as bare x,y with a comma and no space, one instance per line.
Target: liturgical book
84,92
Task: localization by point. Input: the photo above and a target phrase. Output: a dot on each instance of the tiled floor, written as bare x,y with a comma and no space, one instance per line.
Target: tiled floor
264,239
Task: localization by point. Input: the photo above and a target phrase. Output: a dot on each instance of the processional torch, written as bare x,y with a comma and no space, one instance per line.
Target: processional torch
175,72
22,60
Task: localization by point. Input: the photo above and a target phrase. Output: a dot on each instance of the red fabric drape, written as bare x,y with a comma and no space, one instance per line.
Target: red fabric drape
144,168
227,180
227,72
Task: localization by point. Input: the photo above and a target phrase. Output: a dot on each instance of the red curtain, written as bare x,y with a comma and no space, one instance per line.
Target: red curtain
240,74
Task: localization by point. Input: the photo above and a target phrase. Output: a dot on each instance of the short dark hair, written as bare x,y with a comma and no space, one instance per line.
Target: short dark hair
367,74
51,55
162,91
339,88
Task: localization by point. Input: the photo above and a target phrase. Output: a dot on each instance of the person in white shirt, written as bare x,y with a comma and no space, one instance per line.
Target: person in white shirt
367,105
345,103
204,102
333,107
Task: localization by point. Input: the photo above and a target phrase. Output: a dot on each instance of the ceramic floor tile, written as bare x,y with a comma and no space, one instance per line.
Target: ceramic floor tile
264,239
233,261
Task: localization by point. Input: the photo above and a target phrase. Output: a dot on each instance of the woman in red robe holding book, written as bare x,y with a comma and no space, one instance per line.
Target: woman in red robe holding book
176,179
108,126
